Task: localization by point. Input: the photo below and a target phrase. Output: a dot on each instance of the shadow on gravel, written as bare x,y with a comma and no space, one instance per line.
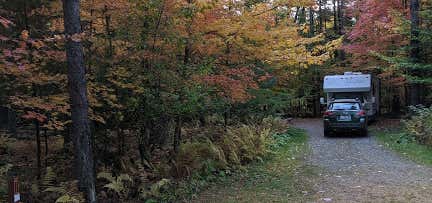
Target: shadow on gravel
349,135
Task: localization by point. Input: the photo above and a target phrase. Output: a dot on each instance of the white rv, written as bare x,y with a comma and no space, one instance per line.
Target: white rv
354,85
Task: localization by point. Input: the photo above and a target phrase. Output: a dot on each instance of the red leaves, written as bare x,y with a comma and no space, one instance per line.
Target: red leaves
31,115
374,31
3,38
264,77
5,22
233,83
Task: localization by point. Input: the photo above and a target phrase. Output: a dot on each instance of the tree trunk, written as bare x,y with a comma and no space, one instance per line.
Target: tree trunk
296,14
325,20
321,29
46,147
302,16
415,48
335,17
340,16
79,104
119,141
67,138
38,148
414,94
143,142
109,36
177,134
226,117
202,120
311,22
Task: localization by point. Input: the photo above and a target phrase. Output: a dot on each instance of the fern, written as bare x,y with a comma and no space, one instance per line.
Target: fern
49,179
5,144
3,184
116,184
155,189
4,169
67,199
106,176
67,191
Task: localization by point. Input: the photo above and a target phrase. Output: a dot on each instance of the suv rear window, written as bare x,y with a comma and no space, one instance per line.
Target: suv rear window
344,106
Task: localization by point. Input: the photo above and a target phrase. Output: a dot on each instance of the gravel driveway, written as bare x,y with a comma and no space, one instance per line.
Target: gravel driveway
359,169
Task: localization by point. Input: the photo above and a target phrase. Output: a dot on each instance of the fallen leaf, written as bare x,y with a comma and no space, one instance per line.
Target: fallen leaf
327,199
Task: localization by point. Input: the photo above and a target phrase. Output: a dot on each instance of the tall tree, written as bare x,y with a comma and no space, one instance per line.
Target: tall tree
78,96
335,17
321,15
340,16
414,94
415,44
311,22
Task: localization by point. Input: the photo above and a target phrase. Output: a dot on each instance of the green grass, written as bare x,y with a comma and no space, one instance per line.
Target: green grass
404,145
280,178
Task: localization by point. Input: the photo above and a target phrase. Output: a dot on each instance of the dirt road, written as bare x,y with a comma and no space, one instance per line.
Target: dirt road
359,169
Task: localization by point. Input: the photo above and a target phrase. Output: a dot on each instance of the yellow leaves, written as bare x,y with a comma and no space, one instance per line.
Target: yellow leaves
328,48
38,44
24,35
56,25
254,35
204,4
300,3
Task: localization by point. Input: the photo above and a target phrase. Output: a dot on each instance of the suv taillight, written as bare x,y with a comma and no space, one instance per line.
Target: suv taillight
361,113
328,113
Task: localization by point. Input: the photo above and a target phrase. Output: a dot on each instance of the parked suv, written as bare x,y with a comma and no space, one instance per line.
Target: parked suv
345,115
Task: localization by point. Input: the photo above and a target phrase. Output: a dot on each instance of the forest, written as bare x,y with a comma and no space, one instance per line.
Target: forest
135,100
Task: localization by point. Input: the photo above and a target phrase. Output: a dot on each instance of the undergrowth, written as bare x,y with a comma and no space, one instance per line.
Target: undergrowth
281,177
276,146
405,145
207,155
419,126
413,138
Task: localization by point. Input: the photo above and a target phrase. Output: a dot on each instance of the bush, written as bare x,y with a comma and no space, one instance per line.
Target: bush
199,156
420,125
275,124
239,145
3,179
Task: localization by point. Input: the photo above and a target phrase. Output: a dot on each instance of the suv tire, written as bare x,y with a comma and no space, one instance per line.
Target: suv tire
326,133
364,132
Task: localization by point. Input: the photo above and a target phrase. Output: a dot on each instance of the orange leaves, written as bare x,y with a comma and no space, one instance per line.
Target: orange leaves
30,115
32,103
78,37
24,35
233,84
264,77
37,44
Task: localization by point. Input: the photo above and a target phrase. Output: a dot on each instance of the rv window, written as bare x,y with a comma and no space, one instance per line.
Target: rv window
344,106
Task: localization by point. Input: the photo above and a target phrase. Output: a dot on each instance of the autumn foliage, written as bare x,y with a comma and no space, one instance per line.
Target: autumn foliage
165,75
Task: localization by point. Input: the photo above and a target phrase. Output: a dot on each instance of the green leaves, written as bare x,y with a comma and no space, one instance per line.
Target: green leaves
117,184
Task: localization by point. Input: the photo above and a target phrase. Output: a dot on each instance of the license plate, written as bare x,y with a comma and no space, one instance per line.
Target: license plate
344,118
